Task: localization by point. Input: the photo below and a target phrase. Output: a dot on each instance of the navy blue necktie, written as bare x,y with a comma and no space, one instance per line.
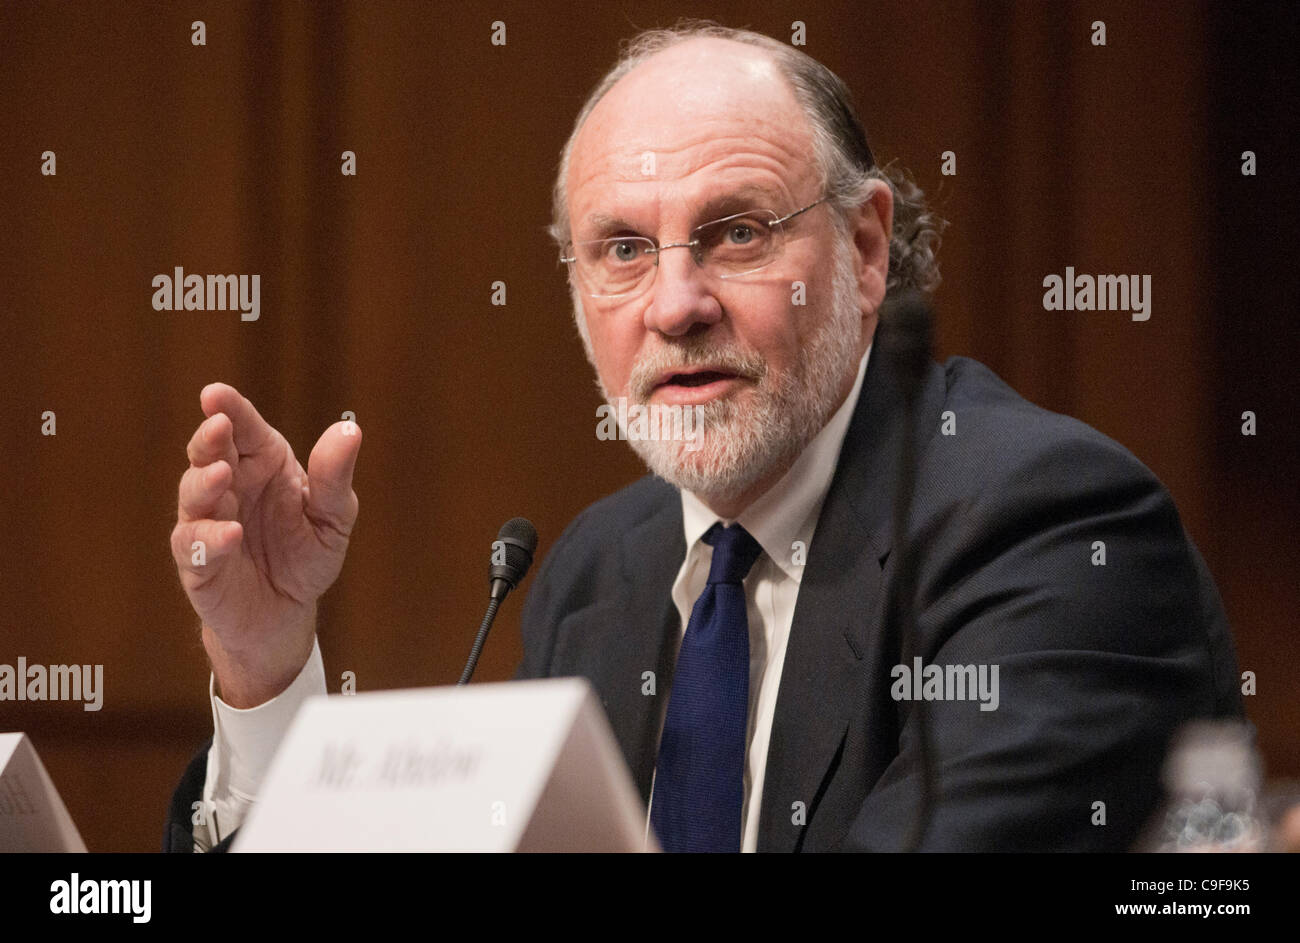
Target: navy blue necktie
700,775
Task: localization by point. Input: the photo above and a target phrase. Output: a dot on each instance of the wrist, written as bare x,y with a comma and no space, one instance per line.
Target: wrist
246,678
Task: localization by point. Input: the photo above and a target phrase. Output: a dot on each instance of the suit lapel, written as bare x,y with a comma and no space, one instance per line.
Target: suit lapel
632,631
649,579
831,653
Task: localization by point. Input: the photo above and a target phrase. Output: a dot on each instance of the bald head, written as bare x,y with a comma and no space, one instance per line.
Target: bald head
684,110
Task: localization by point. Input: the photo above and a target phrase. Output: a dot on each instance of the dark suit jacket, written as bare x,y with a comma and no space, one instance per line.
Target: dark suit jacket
1098,665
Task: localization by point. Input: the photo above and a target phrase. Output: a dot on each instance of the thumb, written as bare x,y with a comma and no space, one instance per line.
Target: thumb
330,497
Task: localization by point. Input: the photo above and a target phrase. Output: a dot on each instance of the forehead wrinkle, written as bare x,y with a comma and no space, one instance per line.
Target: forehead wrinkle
622,160
718,157
711,121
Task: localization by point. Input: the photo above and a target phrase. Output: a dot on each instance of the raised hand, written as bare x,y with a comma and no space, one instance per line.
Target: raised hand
273,536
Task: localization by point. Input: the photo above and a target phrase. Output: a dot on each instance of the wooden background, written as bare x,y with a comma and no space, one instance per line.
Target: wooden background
376,299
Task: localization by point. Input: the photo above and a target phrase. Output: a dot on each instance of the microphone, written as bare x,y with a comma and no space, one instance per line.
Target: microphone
512,555
905,340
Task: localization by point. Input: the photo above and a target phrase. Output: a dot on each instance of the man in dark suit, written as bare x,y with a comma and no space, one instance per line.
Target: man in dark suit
731,610
1098,663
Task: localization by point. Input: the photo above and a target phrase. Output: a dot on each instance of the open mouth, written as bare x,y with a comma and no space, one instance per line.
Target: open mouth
702,378
693,387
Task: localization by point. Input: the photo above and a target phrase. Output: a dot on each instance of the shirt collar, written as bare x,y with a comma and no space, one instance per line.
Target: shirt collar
785,512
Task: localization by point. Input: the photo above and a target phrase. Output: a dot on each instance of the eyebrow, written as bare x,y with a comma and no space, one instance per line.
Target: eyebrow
734,201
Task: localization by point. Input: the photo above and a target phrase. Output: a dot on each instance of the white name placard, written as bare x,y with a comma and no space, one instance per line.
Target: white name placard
32,816
514,766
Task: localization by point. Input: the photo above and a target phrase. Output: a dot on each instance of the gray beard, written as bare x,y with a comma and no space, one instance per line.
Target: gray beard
742,443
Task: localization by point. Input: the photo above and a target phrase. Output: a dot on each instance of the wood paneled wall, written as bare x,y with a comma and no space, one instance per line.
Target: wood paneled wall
376,298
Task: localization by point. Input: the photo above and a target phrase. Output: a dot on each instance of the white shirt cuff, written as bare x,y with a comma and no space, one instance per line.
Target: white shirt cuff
245,740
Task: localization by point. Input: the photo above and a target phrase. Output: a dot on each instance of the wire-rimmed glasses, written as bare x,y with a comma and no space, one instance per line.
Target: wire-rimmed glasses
625,266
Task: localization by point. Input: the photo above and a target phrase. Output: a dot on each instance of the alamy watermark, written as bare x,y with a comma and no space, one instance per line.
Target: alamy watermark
650,423
77,896
181,292
1084,292
919,682
26,682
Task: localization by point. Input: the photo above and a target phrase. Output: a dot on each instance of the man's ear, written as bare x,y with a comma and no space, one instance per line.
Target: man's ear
871,233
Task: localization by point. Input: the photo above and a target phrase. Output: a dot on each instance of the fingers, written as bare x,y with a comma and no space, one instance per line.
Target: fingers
213,441
330,498
196,545
205,493
251,431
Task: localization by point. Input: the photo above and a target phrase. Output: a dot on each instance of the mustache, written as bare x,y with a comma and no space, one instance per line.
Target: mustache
728,358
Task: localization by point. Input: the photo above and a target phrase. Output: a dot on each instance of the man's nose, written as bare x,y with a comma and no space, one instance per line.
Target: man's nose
682,294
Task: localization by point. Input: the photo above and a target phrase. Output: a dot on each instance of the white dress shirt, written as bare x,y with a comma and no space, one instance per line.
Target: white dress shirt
782,521
244,741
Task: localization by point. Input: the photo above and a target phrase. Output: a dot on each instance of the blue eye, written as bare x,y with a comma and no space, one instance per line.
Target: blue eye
624,251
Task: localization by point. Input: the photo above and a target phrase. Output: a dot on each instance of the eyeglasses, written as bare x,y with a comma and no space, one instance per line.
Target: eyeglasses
625,266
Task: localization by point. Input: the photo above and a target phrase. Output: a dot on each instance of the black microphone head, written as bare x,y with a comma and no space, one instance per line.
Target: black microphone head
905,335
521,531
512,552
